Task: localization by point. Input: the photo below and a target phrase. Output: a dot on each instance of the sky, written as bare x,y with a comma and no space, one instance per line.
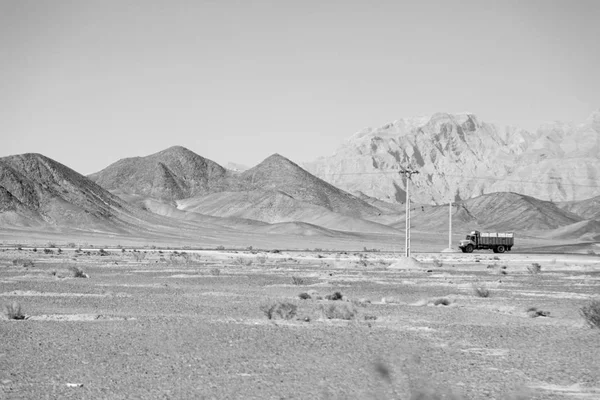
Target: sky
90,82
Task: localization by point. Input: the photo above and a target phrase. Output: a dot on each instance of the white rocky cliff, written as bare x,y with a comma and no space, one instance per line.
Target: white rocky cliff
459,157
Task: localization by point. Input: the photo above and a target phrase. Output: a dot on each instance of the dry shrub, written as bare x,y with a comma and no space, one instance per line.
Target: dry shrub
481,290
23,263
334,296
534,268
339,311
283,310
78,272
591,313
13,311
437,263
262,259
441,301
215,271
304,296
244,262
533,312
296,280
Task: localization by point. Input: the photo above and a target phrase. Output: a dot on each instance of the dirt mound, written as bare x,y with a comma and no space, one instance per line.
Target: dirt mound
406,263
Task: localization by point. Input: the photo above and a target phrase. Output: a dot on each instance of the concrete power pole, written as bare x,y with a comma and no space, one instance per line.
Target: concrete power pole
408,173
450,225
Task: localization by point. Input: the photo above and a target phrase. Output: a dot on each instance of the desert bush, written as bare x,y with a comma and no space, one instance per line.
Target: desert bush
296,280
23,263
283,310
370,317
220,248
262,259
533,312
591,252
48,251
534,268
591,313
441,301
334,296
34,250
361,302
138,256
78,272
215,271
437,263
481,290
13,311
244,262
304,296
71,245
362,260
51,245
338,311
103,252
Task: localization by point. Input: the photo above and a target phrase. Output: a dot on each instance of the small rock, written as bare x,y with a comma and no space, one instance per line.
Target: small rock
75,385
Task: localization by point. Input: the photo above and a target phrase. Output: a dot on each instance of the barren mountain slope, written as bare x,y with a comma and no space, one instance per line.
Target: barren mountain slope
512,211
497,212
279,173
42,190
459,156
588,209
274,207
174,173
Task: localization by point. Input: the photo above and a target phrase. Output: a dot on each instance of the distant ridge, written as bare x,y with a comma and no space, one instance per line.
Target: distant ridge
459,156
171,174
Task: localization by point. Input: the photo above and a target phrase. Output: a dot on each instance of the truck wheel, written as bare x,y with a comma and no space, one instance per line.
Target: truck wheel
463,250
469,248
500,249
495,249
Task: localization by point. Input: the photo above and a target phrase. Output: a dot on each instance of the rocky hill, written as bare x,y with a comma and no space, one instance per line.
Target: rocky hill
278,173
459,157
36,190
172,174
588,209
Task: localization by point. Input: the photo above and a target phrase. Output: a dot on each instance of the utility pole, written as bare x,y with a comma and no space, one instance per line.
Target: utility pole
408,173
450,225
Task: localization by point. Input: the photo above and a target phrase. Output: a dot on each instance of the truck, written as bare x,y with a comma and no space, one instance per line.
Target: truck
498,242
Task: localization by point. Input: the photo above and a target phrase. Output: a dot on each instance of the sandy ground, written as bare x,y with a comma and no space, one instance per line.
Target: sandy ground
150,324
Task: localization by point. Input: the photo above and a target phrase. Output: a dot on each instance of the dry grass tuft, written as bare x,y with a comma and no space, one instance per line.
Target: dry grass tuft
591,313
78,272
283,310
335,296
534,268
296,280
481,290
339,311
13,311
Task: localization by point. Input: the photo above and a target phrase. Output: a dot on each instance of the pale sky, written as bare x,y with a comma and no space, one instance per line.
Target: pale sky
90,82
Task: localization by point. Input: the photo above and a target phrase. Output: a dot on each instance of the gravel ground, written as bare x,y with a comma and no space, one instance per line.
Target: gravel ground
191,326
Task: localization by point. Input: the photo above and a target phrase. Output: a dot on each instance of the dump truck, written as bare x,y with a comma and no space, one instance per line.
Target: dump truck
498,242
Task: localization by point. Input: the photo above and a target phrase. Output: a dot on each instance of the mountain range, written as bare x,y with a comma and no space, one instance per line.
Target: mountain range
177,192
459,157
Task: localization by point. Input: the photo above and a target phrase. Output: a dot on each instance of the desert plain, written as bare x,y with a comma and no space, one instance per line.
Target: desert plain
154,322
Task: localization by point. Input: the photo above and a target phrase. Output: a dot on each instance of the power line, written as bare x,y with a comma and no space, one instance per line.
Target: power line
471,177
